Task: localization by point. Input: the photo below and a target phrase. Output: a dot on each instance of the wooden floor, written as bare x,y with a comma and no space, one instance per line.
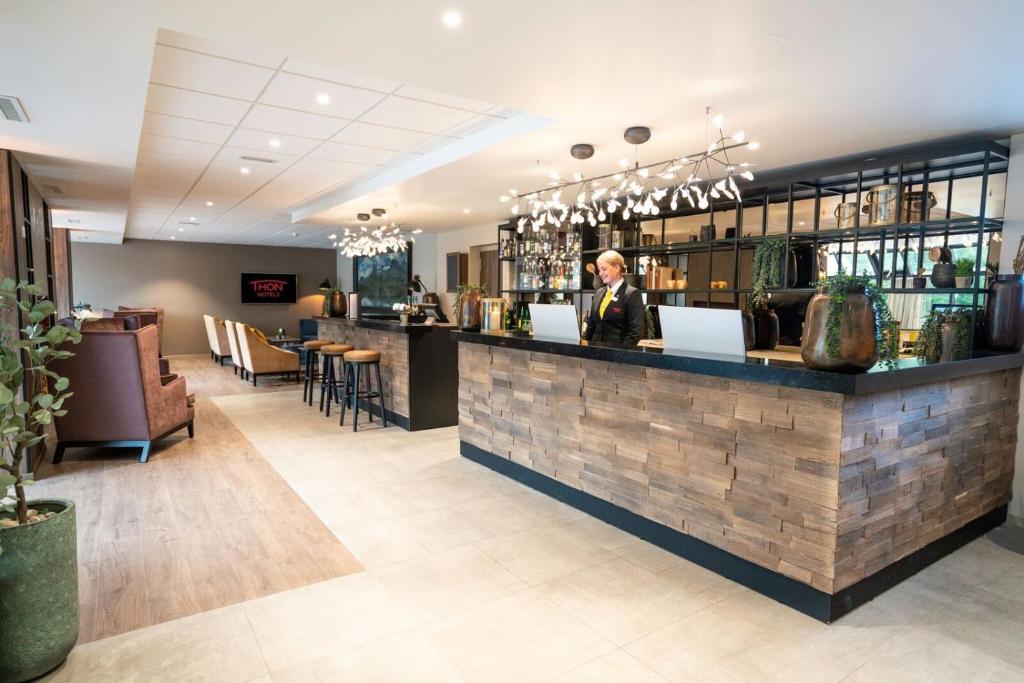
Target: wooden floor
207,522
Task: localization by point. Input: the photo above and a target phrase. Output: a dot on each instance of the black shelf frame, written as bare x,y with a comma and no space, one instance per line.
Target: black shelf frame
911,168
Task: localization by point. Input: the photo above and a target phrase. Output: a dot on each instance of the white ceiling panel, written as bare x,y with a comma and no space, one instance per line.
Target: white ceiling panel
260,140
205,73
302,68
177,147
291,122
412,115
435,97
351,153
212,108
300,92
186,129
383,137
326,167
474,125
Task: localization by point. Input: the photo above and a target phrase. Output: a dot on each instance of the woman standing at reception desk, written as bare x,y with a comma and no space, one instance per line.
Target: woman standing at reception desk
617,312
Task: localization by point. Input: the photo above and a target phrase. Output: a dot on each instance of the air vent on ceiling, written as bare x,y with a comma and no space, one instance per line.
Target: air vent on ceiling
188,222
259,160
74,221
11,109
53,189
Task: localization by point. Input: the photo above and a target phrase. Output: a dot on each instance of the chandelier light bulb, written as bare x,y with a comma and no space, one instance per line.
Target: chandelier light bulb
739,137
718,121
754,146
623,162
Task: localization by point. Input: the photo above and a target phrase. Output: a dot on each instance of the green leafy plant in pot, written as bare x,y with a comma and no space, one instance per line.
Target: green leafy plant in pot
849,326
467,307
766,273
38,547
944,336
964,272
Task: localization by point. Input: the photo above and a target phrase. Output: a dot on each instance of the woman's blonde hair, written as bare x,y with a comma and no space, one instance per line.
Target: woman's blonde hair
613,258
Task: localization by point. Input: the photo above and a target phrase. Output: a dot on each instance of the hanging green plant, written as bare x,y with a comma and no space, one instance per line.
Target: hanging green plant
766,272
887,332
929,346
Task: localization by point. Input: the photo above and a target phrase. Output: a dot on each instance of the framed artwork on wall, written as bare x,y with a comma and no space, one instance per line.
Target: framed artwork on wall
456,269
382,281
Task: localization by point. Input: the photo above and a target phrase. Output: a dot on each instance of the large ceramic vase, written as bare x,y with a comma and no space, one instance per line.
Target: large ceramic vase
766,329
469,311
1004,313
749,335
38,593
339,304
858,347
943,275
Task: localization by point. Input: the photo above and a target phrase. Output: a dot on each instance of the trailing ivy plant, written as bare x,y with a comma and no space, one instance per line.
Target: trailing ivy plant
928,346
887,334
766,272
25,354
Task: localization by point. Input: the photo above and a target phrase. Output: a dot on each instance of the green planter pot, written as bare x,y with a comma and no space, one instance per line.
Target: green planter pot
38,593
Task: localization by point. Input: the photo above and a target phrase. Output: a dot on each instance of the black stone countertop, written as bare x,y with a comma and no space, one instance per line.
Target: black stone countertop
909,372
387,325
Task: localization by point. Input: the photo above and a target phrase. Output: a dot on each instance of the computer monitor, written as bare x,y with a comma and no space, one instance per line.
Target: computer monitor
434,311
706,332
555,322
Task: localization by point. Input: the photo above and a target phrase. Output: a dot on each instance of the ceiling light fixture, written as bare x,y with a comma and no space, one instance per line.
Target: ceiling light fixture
181,229
274,142
191,218
452,19
172,237
323,98
465,211
244,170
697,178
209,203
367,242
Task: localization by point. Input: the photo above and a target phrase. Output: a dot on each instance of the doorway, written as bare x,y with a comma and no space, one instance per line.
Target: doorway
489,271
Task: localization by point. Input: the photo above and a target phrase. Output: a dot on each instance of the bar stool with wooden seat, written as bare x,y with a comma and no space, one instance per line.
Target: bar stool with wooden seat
355,361
312,374
328,377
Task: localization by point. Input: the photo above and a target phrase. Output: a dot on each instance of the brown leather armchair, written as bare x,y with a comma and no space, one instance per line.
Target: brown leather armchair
260,357
119,399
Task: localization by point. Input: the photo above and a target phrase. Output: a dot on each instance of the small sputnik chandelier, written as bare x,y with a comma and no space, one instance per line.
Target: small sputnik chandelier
694,178
372,241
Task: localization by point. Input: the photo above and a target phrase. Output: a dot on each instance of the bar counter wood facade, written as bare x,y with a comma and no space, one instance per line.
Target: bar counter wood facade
418,366
820,499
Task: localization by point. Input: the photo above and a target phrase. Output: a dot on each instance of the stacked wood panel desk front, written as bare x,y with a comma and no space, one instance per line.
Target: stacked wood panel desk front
818,489
418,368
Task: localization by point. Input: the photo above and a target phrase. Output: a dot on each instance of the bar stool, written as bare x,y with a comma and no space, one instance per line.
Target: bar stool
354,361
312,347
328,378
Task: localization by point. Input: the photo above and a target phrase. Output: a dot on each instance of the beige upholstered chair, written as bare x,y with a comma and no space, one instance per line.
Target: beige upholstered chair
230,327
218,338
260,357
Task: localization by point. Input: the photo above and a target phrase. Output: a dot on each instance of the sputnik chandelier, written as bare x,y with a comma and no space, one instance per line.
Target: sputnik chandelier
372,241
694,178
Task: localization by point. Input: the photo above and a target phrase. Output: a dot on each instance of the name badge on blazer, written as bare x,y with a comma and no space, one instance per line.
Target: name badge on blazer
616,309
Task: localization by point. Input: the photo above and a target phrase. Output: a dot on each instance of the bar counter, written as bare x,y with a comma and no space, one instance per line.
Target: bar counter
418,367
818,489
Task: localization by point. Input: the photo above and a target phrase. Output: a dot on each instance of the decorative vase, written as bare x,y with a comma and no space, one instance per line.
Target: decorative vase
920,282
38,592
948,336
469,311
943,275
748,330
403,318
963,282
766,329
1004,313
339,307
858,348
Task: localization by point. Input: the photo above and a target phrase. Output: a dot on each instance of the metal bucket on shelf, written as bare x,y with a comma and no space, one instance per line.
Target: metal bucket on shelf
881,204
917,206
846,215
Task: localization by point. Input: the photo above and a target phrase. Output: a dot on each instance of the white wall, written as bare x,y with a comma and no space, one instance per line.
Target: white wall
1013,229
464,241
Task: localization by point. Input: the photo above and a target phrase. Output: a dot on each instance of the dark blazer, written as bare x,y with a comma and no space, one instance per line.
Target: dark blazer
623,321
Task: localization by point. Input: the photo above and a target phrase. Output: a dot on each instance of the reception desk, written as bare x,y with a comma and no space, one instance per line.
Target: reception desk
818,489
418,366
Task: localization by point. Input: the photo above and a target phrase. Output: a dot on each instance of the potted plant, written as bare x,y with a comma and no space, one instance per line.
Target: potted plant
964,272
849,327
766,273
944,336
943,272
38,546
920,282
1004,307
467,306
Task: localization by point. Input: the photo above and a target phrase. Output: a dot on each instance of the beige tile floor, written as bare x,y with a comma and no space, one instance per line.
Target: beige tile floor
472,577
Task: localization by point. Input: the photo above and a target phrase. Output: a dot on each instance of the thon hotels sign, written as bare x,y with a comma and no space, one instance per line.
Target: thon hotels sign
268,288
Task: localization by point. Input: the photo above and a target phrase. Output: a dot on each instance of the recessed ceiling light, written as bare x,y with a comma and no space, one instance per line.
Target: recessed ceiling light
274,142
465,211
209,203
181,229
323,98
774,39
244,170
451,19
172,237
191,218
